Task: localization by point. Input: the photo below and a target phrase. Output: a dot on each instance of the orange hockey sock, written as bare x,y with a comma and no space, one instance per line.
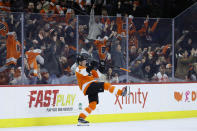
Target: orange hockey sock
112,89
88,110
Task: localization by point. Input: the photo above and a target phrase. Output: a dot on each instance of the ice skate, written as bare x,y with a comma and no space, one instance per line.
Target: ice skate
124,91
82,122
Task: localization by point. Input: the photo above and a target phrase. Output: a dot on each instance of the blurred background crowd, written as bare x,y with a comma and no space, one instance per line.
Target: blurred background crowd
132,34
137,8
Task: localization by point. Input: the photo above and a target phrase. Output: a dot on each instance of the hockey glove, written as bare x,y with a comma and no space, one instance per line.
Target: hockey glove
102,66
90,66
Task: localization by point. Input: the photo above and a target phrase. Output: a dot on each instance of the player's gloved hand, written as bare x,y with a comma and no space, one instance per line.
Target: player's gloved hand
89,68
102,67
94,64
91,65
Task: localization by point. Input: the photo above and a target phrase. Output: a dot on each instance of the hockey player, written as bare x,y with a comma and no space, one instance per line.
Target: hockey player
86,77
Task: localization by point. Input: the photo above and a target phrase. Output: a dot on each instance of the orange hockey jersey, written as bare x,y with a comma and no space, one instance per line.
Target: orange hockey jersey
13,50
84,79
31,60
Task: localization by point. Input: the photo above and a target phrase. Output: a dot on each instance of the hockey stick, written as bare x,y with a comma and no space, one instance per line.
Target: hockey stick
124,69
92,59
117,66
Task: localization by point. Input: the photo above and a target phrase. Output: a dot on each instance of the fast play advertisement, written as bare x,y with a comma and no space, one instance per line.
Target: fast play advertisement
51,101
43,101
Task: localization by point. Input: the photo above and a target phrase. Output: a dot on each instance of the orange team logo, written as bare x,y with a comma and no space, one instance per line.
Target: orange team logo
178,96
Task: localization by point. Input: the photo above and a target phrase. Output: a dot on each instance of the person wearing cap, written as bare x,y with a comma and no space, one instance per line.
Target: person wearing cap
86,77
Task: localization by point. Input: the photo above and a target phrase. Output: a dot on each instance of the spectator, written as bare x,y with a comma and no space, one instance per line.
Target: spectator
147,74
5,5
109,75
38,7
118,9
169,70
32,57
45,8
65,66
95,27
183,64
45,77
146,33
11,75
31,7
136,69
71,34
88,50
132,54
115,79
69,54
17,79
186,44
51,57
13,47
118,59
101,44
192,76
137,9
4,77
98,6
17,5
161,76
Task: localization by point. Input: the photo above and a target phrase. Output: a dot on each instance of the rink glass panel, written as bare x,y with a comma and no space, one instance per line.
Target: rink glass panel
150,50
10,53
60,38
185,31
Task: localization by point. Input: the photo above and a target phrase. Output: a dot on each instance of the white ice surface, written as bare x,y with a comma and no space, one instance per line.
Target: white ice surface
189,124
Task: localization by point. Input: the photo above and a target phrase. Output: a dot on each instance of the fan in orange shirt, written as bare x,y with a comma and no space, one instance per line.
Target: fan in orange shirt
31,60
3,28
33,57
86,77
13,47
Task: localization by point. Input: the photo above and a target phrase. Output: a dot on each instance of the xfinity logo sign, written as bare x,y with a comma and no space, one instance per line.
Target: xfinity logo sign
134,97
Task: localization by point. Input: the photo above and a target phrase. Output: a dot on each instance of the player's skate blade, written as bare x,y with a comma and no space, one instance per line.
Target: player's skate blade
124,91
82,122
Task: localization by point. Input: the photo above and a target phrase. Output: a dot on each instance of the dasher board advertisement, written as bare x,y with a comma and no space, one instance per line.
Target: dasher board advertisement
51,101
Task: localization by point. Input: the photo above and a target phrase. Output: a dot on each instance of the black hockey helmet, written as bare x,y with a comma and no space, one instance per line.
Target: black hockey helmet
81,57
